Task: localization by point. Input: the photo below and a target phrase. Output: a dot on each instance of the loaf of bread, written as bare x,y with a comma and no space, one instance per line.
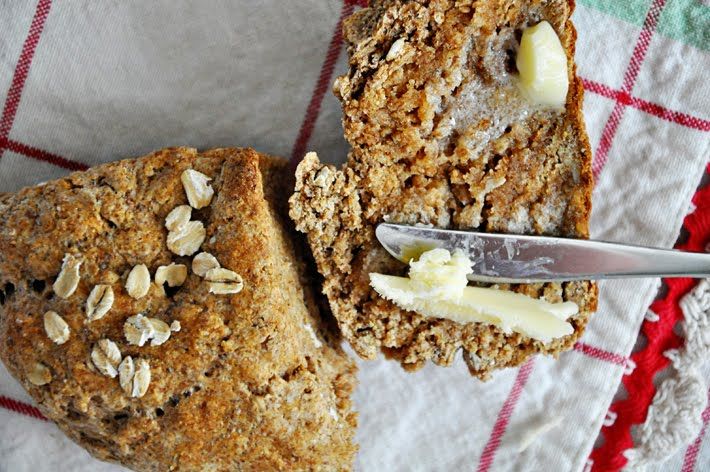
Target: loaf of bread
441,134
231,366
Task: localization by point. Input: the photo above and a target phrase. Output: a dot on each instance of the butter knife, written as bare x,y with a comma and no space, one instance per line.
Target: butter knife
509,258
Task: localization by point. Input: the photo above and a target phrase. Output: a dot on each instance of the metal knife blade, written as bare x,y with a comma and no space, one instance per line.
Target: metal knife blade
518,259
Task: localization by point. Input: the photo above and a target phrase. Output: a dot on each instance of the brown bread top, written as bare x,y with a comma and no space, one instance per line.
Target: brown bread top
252,381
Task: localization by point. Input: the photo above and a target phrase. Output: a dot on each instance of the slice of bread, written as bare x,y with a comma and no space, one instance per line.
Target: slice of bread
251,381
441,135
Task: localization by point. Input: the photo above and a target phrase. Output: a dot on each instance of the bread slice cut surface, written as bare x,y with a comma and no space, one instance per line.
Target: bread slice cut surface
442,134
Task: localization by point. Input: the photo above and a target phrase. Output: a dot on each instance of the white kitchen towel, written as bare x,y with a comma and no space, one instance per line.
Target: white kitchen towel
85,82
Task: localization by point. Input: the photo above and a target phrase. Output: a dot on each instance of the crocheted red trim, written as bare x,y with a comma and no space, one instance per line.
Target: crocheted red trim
660,338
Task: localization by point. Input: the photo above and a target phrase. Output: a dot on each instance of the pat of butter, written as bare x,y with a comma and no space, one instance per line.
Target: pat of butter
542,64
437,287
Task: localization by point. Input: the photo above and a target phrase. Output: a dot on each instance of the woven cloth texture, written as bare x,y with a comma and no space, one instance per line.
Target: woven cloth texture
85,82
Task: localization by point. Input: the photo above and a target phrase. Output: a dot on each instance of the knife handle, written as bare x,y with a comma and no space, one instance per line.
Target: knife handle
639,261
578,259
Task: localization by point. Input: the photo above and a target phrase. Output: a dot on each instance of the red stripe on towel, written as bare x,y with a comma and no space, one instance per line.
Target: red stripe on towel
691,454
21,407
41,155
600,354
22,69
632,70
322,85
654,109
506,411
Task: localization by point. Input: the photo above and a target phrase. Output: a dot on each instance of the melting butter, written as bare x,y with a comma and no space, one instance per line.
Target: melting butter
437,287
542,64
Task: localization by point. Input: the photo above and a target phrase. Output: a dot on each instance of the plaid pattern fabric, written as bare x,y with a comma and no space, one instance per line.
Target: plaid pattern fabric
83,83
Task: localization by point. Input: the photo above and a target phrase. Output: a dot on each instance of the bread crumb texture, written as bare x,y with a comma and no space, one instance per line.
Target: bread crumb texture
441,135
238,384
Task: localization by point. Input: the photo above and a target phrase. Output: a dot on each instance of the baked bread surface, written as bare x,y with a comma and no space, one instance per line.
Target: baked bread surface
441,135
252,381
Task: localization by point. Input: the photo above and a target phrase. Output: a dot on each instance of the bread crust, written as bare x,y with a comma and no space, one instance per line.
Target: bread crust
244,385
440,135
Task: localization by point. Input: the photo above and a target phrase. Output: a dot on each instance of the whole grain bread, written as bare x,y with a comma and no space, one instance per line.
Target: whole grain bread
252,381
441,135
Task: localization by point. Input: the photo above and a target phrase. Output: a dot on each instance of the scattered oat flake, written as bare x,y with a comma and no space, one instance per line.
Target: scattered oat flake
222,288
219,274
138,281
68,278
126,371
99,302
224,281
138,329
175,326
197,188
56,328
174,274
161,332
110,349
178,217
141,379
134,376
203,262
106,357
186,240
39,374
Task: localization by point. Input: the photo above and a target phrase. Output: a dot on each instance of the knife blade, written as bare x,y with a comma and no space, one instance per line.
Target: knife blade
509,258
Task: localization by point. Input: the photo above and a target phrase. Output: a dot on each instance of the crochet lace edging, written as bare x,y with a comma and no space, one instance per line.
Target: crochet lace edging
663,346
